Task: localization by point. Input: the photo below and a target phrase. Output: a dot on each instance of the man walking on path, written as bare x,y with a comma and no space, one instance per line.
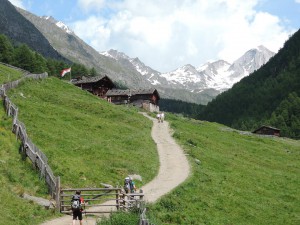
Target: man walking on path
76,204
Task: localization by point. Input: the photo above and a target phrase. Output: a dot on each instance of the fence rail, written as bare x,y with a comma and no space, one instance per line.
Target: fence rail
114,197
28,148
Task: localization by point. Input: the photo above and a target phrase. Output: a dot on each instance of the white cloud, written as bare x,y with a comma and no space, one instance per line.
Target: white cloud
297,1
91,4
18,3
167,34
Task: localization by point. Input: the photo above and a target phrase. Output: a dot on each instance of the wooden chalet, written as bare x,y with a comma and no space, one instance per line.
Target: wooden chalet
98,85
266,130
143,98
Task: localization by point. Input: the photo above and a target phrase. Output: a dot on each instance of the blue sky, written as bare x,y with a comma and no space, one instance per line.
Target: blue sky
167,34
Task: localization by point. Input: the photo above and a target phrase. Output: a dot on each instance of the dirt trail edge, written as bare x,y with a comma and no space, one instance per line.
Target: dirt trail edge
174,169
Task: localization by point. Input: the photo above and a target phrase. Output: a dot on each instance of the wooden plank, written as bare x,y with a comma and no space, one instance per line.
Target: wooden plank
93,212
92,205
91,189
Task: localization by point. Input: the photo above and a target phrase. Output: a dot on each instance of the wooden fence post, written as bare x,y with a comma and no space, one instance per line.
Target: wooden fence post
57,194
117,199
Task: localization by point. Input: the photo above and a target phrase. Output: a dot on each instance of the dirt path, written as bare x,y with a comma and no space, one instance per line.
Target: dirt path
174,169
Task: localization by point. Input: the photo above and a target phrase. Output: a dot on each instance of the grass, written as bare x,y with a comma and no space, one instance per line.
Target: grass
236,179
87,140
18,177
9,74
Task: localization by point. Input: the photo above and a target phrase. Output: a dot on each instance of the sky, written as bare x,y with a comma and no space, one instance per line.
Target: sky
167,34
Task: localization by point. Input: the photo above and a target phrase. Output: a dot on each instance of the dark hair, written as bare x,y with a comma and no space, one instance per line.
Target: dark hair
78,192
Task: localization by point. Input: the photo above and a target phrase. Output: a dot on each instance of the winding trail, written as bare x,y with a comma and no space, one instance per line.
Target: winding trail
174,169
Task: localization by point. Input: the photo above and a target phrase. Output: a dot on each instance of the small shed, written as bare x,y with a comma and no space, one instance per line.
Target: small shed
143,98
267,130
98,85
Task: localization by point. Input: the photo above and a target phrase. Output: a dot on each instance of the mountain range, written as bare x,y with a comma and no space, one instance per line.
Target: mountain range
187,83
219,75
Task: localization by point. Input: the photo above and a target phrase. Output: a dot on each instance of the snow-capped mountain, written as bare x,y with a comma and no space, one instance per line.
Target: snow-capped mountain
219,75
60,24
147,72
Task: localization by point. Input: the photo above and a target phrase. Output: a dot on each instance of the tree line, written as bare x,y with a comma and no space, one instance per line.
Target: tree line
20,55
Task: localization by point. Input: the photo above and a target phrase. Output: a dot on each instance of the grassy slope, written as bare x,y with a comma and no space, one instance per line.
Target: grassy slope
86,139
8,74
241,179
17,177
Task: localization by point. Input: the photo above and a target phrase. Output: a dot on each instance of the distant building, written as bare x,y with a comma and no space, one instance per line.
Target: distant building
266,130
143,98
98,85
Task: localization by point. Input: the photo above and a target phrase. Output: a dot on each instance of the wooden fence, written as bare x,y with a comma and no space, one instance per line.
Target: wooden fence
115,198
28,148
94,196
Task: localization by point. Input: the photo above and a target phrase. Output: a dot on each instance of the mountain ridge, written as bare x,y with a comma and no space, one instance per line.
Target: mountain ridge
219,75
188,85
20,30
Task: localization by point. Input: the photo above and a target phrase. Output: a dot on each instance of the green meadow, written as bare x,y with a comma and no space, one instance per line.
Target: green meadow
237,178
87,140
8,74
16,177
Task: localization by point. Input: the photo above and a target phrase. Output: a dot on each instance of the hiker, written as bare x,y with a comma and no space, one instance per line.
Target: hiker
158,117
162,117
129,185
132,186
76,204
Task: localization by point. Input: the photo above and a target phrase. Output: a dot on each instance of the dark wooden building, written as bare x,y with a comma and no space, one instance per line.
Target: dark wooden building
266,130
144,98
98,85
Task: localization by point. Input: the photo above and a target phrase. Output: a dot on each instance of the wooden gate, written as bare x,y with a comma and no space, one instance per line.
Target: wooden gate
98,200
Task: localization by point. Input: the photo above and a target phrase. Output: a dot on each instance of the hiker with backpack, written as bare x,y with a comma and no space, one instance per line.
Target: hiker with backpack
129,185
76,204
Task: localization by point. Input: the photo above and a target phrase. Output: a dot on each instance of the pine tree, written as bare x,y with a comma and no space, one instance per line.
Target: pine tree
6,50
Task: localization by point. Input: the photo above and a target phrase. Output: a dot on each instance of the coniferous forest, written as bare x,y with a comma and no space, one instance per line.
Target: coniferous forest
20,55
269,96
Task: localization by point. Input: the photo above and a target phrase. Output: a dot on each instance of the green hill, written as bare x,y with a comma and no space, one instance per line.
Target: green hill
237,178
87,140
264,97
17,177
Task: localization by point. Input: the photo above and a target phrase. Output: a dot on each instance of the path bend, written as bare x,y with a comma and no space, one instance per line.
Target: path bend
174,169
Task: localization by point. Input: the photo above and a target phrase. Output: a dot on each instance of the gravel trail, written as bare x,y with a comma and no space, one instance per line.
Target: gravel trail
174,169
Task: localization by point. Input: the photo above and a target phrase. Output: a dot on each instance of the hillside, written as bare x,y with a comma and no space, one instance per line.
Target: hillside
18,177
76,50
20,30
259,98
237,178
87,140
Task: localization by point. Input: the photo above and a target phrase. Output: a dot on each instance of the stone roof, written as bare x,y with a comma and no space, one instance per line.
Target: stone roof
117,92
86,80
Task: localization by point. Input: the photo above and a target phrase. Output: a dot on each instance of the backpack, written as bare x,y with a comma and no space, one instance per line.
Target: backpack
76,203
126,184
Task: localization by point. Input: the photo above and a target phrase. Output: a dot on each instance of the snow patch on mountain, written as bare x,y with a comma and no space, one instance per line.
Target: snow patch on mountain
60,24
219,75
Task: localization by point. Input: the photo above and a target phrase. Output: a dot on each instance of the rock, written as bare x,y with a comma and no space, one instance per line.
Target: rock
198,161
40,201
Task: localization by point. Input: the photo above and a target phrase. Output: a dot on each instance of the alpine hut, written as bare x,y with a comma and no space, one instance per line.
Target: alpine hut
267,130
143,98
98,85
